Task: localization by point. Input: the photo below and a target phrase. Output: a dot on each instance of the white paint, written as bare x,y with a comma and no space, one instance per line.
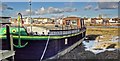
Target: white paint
66,41
39,30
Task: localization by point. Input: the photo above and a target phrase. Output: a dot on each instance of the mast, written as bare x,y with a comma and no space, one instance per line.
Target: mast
30,16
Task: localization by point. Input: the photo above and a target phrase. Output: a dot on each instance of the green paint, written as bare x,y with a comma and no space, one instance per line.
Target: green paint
13,31
19,33
22,35
41,37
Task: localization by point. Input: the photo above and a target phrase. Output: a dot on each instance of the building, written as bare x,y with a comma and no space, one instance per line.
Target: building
87,20
27,20
42,20
4,21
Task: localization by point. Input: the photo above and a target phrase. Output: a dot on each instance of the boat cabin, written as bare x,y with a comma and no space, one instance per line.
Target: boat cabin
73,21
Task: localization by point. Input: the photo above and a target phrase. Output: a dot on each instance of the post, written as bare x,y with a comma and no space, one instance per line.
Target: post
8,35
10,40
11,45
30,16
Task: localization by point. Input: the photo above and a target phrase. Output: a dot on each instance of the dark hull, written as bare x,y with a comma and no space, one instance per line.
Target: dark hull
33,51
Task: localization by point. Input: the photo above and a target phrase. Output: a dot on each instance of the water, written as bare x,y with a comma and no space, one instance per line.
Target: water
90,46
116,39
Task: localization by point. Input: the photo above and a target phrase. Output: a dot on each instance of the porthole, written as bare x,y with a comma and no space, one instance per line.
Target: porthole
14,31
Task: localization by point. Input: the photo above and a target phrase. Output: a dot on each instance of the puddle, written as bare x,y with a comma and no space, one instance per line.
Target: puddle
89,46
115,39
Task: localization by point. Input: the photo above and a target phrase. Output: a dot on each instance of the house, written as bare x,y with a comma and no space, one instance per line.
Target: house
27,20
87,20
116,20
4,21
105,20
93,20
42,20
99,20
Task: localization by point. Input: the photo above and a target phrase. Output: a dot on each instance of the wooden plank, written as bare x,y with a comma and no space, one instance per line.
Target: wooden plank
6,54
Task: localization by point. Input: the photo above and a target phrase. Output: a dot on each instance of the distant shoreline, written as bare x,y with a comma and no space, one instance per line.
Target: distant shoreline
103,26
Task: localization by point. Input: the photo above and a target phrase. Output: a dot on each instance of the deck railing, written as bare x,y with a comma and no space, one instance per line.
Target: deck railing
65,32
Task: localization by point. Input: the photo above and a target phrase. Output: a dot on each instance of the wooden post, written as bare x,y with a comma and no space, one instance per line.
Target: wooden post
8,35
11,45
9,39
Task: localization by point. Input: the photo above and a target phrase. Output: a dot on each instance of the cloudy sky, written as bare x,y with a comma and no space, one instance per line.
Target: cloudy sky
60,9
61,0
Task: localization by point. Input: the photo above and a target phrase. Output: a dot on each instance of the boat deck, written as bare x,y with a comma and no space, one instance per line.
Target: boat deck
6,54
54,27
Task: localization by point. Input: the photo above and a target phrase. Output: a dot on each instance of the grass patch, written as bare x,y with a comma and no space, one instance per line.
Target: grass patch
106,33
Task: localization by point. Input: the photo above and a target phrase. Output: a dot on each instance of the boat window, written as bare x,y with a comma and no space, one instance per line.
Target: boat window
74,22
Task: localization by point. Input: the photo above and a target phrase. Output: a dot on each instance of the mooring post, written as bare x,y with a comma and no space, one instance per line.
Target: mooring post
8,35
10,40
11,45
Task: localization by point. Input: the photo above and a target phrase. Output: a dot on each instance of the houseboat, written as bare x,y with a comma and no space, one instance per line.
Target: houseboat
46,41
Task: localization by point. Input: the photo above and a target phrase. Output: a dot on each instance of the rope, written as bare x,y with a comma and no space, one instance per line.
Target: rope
45,49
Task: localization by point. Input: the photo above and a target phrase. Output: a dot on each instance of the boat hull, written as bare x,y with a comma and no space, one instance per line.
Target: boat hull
34,50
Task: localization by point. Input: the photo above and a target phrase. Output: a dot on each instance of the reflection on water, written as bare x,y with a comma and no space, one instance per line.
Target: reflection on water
116,39
90,46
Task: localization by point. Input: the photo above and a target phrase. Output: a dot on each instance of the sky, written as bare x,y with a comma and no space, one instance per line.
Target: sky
61,0
59,9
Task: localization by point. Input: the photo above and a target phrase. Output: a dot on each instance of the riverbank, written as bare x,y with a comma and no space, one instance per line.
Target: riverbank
103,37
80,53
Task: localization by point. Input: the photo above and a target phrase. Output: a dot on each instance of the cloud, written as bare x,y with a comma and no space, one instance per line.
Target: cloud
107,0
26,12
69,9
88,7
96,8
57,16
4,7
103,5
49,10
53,10
108,5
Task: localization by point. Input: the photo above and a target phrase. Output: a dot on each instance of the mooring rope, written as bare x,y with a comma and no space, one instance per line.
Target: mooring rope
45,49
